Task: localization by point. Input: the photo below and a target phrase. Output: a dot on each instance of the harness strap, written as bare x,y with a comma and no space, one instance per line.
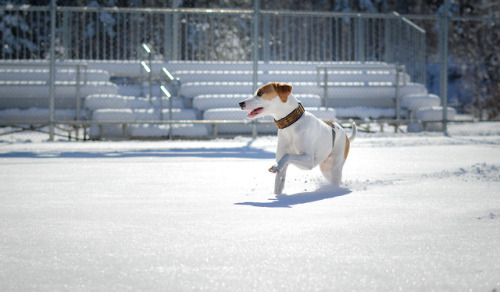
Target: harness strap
333,137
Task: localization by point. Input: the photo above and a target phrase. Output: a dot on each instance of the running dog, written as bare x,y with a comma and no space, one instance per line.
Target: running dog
303,140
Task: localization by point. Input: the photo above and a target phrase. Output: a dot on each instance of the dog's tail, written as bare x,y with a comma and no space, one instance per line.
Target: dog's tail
354,132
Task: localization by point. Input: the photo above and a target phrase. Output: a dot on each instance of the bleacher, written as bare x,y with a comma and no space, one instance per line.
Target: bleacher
26,85
210,91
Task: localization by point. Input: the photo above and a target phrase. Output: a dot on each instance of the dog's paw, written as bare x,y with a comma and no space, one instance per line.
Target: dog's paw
274,169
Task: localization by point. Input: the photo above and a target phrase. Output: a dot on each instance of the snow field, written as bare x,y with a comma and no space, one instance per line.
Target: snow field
415,213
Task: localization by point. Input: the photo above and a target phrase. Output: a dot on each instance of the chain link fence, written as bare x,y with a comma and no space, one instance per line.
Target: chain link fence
473,70
156,73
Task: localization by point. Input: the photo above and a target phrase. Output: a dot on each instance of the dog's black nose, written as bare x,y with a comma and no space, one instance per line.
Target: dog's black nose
242,104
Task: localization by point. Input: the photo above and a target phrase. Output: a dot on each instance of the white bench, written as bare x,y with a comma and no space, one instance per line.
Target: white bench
211,101
26,84
36,115
346,94
63,89
132,68
286,76
116,101
413,102
430,117
174,66
163,131
12,73
154,115
127,116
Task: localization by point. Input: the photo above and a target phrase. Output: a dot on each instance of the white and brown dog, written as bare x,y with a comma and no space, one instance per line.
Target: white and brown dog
303,140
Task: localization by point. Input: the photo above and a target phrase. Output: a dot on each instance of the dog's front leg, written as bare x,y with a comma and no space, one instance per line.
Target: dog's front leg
304,161
279,183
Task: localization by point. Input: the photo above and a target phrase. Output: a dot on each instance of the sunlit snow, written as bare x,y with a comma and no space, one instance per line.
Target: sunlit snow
415,212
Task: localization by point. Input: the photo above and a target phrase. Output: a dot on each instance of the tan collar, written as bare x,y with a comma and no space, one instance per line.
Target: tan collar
291,117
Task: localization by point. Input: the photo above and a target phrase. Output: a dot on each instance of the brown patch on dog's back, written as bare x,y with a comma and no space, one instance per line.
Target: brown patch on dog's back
347,146
328,122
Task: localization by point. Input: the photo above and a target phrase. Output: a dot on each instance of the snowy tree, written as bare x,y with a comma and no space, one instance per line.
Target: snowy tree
474,44
20,38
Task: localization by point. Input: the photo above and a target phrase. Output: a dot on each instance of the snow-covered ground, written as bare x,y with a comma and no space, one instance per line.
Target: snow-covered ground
416,212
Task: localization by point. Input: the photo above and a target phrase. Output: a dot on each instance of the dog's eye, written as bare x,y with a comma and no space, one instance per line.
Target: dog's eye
260,93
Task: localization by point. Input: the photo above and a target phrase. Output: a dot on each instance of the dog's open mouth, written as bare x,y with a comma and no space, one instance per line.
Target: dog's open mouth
255,112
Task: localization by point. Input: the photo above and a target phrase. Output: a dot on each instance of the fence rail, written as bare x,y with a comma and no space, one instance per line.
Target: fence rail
212,35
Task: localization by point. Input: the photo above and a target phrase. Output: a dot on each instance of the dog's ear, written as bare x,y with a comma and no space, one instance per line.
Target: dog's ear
283,90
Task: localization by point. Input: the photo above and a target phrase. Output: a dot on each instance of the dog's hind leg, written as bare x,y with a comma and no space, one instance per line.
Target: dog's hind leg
326,167
336,176
279,183
331,168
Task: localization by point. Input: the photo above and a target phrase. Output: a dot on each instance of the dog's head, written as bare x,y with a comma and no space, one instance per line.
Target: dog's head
267,100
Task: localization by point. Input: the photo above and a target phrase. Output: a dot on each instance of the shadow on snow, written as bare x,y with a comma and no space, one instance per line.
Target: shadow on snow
201,152
287,201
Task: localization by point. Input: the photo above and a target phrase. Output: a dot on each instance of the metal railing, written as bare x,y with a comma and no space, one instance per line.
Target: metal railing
214,35
399,80
210,35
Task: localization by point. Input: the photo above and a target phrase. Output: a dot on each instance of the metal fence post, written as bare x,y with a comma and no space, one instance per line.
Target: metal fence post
360,47
175,32
325,89
399,41
150,76
167,37
78,86
255,47
443,48
267,39
388,44
398,100
52,69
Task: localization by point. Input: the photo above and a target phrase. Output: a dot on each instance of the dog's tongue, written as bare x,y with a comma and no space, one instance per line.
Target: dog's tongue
255,112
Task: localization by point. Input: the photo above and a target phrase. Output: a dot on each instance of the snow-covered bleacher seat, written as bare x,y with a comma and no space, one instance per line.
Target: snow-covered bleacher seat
126,115
36,115
105,101
152,114
100,101
24,86
354,90
414,102
133,68
286,76
212,91
363,112
175,66
181,130
343,94
137,114
434,113
64,89
421,104
62,74
210,101
25,92
429,116
111,115
117,108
